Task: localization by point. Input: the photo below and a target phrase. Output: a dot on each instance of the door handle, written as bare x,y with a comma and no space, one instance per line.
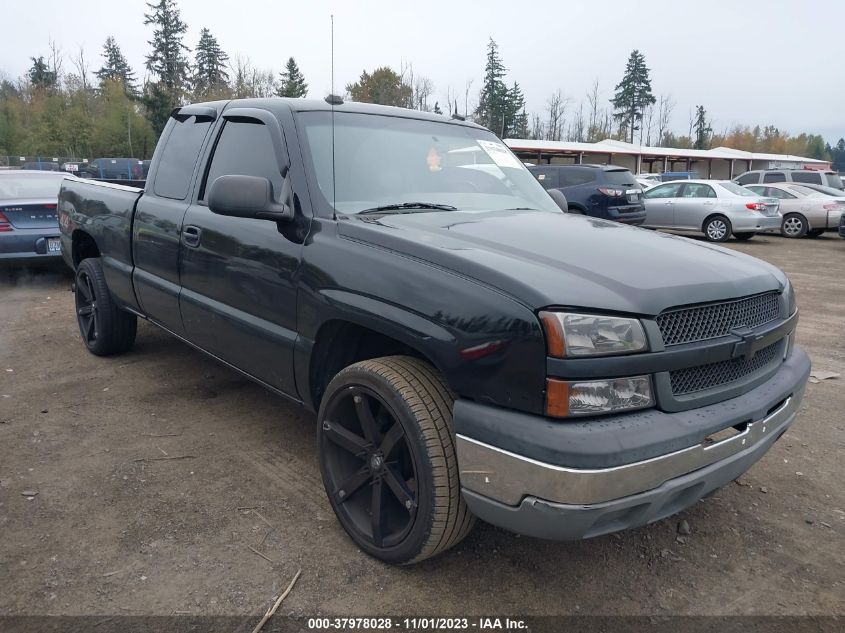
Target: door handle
191,236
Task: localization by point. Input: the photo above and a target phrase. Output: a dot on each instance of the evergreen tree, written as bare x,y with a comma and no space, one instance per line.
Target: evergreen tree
40,75
116,68
210,68
167,58
494,93
292,82
633,94
158,103
516,119
384,85
702,129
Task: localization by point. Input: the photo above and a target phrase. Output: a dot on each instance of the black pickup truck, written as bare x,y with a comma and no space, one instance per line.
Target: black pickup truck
469,349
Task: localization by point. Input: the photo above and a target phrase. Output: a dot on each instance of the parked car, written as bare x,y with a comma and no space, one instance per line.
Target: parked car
828,191
114,169
29,229
808,176
600,191
842,226
41,165
469,350
717,208
805,211
669,176
648,180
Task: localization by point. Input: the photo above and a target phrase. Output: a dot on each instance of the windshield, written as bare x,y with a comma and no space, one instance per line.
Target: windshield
18,187
737,189
382,161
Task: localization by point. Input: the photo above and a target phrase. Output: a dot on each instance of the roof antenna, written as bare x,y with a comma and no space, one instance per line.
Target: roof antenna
333,100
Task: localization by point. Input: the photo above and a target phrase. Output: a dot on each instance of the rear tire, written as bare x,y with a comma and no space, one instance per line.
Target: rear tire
575,211
388,459
744,237
105,328
794,226
815,233
717,229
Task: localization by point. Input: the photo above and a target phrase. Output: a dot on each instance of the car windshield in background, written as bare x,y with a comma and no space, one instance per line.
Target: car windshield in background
21,187
619,177
737,189
384,161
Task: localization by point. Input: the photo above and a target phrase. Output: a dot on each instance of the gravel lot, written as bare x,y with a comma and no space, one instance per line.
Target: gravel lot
108,533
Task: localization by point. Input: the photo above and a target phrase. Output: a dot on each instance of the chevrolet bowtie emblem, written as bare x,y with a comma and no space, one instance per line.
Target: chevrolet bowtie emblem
745,347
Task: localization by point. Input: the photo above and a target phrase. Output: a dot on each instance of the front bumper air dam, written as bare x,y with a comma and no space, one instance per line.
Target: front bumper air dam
555,502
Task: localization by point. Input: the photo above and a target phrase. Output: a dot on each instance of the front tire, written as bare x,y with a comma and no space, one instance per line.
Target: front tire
388,459
105,328
744,237
794,226
717,229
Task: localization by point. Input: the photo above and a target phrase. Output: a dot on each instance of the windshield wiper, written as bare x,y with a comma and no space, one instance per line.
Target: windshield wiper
408,207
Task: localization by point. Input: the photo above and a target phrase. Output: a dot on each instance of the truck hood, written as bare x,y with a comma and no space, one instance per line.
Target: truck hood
548,259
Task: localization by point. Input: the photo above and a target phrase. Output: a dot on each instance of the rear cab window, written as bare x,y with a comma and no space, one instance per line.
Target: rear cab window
180,152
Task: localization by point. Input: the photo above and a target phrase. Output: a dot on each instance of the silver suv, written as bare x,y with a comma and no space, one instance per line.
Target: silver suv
808,176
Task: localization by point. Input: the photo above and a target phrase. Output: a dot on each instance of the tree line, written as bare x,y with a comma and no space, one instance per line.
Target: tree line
109,112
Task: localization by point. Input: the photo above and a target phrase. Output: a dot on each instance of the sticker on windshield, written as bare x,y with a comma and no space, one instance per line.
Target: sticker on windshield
499,153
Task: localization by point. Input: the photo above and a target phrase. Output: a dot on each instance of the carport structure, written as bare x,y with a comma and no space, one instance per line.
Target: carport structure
719,162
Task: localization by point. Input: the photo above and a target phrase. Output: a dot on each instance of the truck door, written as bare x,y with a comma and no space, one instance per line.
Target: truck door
158,217
238,297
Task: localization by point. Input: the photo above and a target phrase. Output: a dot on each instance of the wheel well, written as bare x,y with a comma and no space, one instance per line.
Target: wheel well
83,247
800,215
576,207
339,344
715,215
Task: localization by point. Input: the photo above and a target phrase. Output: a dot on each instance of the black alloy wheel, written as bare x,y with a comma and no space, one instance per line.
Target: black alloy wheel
105,328
371,467
388,459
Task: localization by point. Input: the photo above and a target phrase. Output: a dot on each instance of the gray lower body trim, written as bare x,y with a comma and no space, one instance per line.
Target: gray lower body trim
544,519
509,478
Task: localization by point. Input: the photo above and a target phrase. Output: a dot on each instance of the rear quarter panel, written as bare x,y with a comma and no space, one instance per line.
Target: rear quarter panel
103,212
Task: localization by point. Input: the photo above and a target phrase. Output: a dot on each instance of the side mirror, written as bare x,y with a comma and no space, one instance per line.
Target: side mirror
246,197
559,198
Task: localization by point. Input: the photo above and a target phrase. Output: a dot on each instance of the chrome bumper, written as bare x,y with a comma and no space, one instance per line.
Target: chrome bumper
507,477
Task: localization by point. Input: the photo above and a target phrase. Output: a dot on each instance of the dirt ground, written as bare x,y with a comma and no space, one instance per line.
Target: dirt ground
108,533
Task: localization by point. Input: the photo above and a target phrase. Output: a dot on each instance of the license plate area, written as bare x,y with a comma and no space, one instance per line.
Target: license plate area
54,245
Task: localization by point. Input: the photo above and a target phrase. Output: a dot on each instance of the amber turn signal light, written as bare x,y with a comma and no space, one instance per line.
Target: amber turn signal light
557,398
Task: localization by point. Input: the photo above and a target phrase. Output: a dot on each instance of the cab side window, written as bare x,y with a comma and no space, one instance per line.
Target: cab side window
664,191
698,190
244,148
748,179
774,176
807,176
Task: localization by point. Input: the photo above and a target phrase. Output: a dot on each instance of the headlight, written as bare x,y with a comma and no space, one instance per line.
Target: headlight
596,397
569,334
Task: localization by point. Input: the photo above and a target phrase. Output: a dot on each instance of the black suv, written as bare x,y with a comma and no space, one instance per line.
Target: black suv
600,191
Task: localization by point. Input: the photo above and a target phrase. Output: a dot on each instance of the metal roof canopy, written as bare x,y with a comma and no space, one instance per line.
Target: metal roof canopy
610,146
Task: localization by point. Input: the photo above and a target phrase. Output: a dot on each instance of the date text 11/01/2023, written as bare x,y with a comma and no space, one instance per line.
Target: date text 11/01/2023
417,624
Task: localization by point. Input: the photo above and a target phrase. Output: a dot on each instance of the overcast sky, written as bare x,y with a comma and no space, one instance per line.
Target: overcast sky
750,62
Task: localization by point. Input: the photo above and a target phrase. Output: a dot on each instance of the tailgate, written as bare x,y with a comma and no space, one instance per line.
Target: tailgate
37,215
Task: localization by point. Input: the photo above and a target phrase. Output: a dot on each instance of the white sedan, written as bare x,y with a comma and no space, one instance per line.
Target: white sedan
805,210
717,208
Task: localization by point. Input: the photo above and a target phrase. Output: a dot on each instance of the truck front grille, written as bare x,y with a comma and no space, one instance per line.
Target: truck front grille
712,320
693,379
